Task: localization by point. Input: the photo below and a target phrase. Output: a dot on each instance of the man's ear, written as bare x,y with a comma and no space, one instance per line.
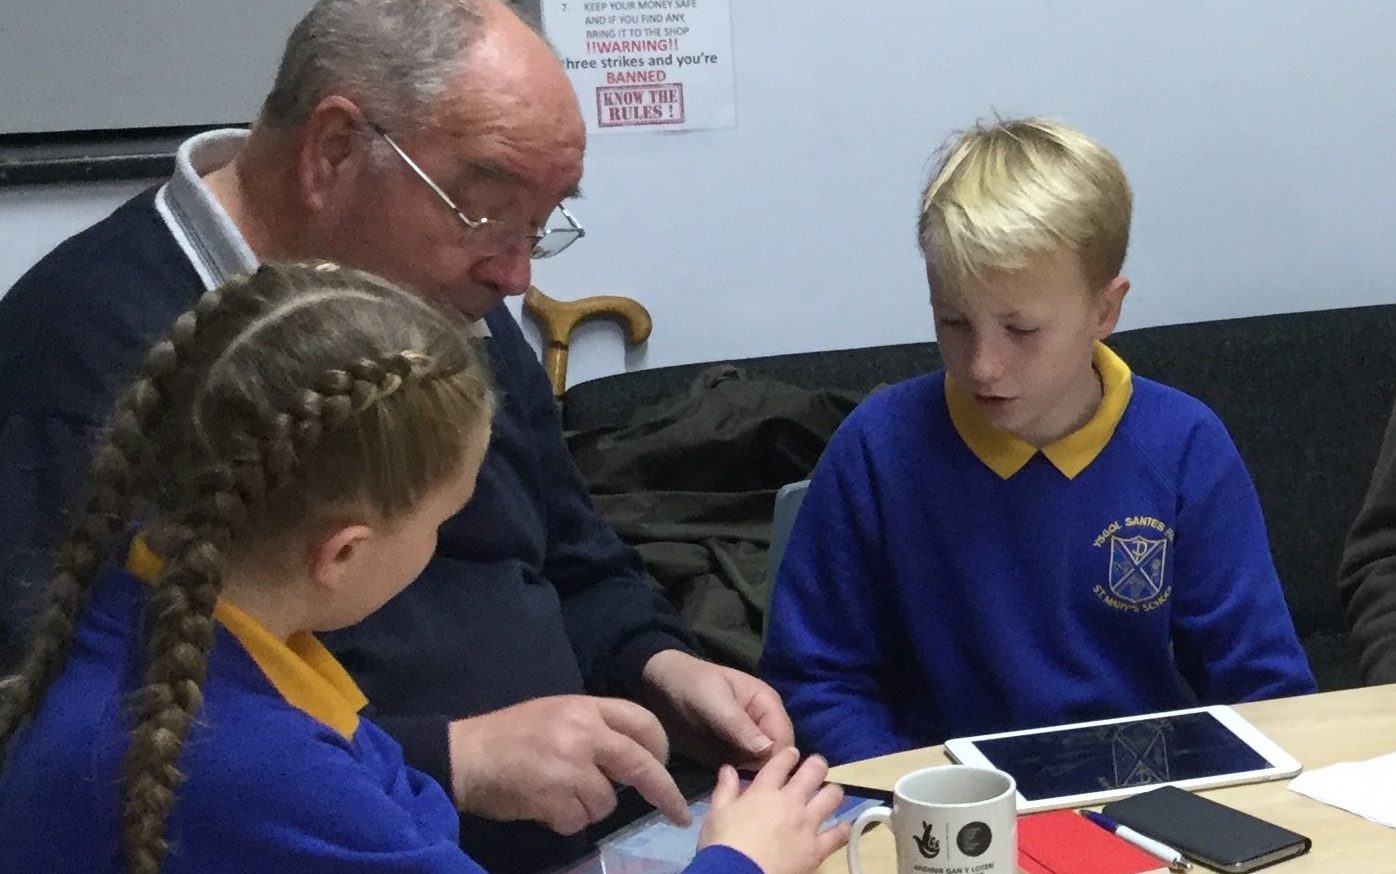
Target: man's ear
331,152
1108,306
333,561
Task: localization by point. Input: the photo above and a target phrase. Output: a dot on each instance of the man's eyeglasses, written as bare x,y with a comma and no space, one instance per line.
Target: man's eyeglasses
490,237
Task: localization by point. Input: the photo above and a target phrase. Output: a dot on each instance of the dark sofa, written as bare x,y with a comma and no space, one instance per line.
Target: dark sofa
1306,397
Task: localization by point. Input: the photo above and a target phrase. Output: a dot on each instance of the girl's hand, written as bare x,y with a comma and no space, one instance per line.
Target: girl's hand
776,820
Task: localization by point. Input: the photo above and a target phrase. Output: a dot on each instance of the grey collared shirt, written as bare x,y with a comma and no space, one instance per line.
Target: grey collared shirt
203,229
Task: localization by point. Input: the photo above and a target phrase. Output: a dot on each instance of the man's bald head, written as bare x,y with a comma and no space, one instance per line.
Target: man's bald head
468,90
393,58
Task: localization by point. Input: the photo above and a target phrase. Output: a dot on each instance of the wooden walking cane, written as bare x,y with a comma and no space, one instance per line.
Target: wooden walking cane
557,319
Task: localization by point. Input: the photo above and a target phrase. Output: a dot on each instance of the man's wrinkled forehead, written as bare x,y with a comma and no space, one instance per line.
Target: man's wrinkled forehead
497,172
503,136
512,70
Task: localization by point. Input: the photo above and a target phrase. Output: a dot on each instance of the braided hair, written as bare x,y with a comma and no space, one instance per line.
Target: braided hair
102,513
274,400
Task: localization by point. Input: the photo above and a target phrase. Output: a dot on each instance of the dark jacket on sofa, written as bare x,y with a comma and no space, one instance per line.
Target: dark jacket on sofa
691,481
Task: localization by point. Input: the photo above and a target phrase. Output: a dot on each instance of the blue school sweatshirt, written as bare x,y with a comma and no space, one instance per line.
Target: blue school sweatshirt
283,775
946,579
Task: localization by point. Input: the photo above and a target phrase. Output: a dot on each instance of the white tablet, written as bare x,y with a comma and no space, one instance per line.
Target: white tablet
653,845
1089,763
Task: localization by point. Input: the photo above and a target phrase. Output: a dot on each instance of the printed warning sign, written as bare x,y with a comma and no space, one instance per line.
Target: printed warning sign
625,105
646,65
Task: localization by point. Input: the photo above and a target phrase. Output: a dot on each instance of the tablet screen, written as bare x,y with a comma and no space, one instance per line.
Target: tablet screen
653,845
1079,760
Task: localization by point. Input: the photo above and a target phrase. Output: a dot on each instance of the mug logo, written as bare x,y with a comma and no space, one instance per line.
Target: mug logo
929,846
975,839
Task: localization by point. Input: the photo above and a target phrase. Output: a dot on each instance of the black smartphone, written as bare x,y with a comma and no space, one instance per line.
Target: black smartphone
855,794
1207,831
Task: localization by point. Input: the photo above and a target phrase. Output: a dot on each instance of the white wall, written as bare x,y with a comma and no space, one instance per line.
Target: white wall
34,219
1256,134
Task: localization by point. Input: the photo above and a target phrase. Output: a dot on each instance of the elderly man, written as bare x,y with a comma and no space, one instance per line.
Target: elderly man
433,142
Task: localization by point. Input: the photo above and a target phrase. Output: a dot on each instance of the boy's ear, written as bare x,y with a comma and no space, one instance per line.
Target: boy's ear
330,151
334,561
1108,306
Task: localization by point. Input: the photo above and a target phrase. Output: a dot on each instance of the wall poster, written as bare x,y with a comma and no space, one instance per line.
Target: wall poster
647,65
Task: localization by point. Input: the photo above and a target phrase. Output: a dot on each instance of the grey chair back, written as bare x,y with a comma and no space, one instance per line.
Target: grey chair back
782,521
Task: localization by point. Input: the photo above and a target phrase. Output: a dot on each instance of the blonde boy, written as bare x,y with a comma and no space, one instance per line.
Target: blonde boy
1032,535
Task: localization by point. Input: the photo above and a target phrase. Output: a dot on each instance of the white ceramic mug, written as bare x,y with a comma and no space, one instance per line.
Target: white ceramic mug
951,819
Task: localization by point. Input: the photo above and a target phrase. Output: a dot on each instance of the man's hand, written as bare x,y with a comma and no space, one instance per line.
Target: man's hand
716,713
553,760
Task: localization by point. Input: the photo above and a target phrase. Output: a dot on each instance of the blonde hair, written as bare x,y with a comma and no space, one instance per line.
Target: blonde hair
1005,193
277,398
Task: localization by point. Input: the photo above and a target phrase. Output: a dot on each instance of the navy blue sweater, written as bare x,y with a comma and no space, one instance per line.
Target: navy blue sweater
530,593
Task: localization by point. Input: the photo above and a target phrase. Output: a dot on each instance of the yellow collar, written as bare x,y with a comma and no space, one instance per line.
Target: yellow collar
1005,454
301,669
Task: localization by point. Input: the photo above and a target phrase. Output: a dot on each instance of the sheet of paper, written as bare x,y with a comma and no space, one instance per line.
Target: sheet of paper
1363,788
646,65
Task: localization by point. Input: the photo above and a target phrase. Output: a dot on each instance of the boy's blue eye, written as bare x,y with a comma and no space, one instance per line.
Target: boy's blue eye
950,323
1021,332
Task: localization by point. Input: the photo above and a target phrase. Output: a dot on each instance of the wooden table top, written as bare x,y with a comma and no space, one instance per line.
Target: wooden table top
1318,730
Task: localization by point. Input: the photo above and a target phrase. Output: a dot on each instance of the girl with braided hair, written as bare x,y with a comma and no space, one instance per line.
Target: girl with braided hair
279,468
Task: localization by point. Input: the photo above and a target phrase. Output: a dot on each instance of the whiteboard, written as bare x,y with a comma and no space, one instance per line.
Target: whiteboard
69,65
95,65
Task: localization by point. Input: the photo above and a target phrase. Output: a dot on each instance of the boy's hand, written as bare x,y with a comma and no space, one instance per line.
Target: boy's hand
776,821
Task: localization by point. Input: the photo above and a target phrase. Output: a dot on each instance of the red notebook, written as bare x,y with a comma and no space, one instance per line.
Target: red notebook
1065,842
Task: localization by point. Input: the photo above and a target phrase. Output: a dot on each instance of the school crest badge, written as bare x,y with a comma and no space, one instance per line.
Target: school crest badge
1137,566
1139,578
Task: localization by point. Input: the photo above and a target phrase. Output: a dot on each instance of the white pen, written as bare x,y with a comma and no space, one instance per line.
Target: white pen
1175,859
